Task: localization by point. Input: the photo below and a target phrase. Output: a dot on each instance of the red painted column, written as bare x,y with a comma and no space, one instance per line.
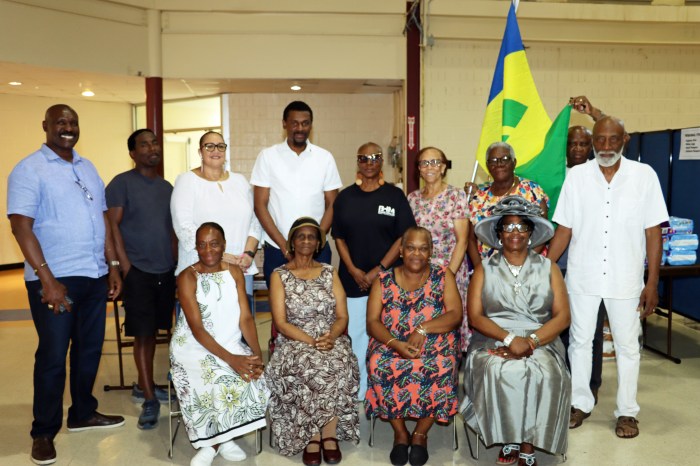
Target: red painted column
154,111
413,67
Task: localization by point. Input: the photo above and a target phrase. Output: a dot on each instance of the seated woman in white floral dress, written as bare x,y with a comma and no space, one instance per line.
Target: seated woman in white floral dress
217,376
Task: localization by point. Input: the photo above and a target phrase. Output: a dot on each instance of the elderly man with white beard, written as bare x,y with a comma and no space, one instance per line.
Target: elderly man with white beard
610,211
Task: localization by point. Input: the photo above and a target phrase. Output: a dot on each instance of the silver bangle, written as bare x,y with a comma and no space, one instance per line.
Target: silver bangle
535,340
509,339
421,330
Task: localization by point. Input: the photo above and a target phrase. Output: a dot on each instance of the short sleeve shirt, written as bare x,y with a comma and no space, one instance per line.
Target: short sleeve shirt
608,222
369,223
67,202
297,183
146,225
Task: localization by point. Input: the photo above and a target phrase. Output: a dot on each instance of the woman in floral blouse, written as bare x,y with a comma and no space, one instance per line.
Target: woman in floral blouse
443,210
501,163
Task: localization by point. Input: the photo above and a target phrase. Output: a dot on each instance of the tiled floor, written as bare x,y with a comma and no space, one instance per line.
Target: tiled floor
669,395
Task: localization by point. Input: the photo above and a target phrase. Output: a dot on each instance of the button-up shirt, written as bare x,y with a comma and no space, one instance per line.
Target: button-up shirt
608,222
297,183
66,201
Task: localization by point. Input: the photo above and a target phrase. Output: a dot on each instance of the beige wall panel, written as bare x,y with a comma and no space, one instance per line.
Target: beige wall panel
104,128
256,6
270,56
43,37
651,88
282,24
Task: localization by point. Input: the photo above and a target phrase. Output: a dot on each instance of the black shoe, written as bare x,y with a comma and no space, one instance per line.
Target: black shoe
418,455
43,451
150,412
399,454
97,421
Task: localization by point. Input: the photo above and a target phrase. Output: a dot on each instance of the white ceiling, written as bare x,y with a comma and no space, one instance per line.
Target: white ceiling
64,83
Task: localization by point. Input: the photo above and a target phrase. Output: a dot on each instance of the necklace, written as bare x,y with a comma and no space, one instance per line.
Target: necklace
222,177
515,271
420,283
515,181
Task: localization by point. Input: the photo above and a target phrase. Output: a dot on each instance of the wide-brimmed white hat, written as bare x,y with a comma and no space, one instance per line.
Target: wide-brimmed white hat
485,230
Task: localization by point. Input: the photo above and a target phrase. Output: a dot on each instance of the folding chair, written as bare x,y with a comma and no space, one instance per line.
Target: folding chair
161,338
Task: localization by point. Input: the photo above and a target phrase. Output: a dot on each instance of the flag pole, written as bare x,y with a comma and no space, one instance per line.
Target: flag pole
471,186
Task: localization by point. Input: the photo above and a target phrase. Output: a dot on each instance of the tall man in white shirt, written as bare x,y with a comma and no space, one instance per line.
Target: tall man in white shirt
610,210
293,179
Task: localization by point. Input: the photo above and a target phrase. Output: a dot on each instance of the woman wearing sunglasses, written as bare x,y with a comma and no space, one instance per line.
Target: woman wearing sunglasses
501,162
210,193
369,218
517,387
443,210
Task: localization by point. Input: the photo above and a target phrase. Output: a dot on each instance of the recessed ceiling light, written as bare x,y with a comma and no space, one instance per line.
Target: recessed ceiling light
14,83
295,87
87,93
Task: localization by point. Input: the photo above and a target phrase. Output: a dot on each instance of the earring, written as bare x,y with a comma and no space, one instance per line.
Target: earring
318,248
291,248
500,243
358,180
529,242
381,177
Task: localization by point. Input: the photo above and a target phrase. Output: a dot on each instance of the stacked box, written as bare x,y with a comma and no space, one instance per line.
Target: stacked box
680,245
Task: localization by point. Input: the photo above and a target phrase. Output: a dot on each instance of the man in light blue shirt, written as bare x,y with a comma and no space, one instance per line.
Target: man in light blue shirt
57,210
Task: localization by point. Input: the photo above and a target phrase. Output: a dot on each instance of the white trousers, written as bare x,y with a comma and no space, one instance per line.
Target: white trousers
357,330
625,326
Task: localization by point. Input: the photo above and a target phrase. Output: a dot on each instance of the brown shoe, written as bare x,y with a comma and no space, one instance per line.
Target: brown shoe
312,458
43,451
331,456
626,427
97,421
576,418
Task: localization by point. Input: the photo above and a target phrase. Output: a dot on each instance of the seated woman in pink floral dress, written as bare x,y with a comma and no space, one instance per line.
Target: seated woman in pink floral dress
444,211
413,315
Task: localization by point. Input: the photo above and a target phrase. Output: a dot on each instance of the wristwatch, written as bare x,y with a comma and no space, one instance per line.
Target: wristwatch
535,340
250,253
509,339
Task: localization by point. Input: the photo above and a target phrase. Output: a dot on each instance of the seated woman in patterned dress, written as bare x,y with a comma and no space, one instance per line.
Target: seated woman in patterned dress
413,318
313,373
517,387
217,377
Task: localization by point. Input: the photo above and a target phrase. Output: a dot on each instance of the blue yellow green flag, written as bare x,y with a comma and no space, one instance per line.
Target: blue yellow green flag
515,114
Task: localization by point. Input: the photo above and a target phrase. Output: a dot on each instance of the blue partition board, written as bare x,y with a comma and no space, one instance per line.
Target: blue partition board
632,149
655,148
685,203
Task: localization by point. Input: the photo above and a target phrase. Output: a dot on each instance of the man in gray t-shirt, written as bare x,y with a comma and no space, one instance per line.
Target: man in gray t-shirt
139,214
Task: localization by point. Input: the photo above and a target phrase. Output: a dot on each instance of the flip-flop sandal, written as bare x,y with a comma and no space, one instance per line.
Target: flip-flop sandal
527,459
626,425
508,454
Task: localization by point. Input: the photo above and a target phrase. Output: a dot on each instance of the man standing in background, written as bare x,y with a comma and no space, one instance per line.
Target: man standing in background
145,243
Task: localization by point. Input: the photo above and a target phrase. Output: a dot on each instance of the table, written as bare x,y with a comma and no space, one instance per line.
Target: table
667,273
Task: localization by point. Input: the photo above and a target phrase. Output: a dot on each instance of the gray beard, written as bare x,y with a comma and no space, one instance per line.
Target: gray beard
605,162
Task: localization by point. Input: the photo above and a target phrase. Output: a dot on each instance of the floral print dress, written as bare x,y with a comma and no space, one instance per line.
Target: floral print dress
413,388
310,387
483,202
216,403
437,215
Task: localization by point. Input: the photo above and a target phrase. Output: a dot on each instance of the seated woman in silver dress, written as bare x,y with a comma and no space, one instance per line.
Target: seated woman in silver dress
517,386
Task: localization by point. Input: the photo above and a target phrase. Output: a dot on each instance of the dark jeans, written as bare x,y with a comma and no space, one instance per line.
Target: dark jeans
597,372
84,329
274,258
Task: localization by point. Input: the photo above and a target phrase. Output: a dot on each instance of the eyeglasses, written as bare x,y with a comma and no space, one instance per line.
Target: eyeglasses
429,163
500,161
210,147
371,158
82,186
521,227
